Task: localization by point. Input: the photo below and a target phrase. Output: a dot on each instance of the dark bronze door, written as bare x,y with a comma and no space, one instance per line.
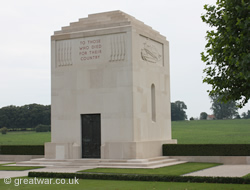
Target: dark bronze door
91,135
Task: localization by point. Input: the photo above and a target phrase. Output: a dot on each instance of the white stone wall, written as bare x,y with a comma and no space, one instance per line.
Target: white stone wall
145,74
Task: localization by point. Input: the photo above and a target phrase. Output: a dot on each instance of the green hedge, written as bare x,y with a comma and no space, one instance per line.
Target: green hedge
140,177
43,128
206,149
22,149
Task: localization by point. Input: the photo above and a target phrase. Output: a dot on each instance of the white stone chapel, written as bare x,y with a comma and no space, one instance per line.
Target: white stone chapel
110,89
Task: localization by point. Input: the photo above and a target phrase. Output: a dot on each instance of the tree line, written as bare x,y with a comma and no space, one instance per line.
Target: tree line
220,109
33,115
27,116
224,110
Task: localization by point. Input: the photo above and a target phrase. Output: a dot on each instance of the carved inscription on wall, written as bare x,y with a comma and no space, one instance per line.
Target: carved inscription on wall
90,49
96,49
151,51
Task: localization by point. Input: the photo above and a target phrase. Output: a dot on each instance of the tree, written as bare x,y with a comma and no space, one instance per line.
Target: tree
177,111
237,116
246,115
227,55
27,116
223,110
203,116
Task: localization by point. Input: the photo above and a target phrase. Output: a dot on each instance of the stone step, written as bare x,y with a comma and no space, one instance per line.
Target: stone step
158,158
59,164
167,164
137,164
148,160
102,163
67,160
146,167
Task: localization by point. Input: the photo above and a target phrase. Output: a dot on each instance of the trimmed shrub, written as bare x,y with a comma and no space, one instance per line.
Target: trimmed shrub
43,128
4,130
206,149
21,129
22,149
141,177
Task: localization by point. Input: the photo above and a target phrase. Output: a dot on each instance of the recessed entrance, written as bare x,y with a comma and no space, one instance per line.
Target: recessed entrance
91,135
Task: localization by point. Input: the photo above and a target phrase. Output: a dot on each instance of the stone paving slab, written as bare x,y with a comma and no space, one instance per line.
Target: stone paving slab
10,174
223,171
7,174
3,162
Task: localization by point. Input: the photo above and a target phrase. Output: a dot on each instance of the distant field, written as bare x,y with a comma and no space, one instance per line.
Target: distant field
186,132
24,138
212,132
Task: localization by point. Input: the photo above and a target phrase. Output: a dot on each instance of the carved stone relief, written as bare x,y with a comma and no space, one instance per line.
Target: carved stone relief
118,48
64,53
151,51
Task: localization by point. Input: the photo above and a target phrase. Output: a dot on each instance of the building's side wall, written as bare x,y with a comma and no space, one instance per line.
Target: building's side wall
148,72
152,118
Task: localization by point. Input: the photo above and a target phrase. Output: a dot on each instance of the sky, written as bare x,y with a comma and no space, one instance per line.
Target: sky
26,27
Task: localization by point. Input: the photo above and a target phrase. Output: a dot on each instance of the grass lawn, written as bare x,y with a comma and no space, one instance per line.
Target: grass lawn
179,169
119,185
186,132
24,138
16,168
212,132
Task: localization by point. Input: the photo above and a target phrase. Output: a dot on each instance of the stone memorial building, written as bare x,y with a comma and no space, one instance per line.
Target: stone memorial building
110,89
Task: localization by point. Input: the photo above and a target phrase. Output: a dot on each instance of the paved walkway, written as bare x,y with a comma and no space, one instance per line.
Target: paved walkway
222,171
7,174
